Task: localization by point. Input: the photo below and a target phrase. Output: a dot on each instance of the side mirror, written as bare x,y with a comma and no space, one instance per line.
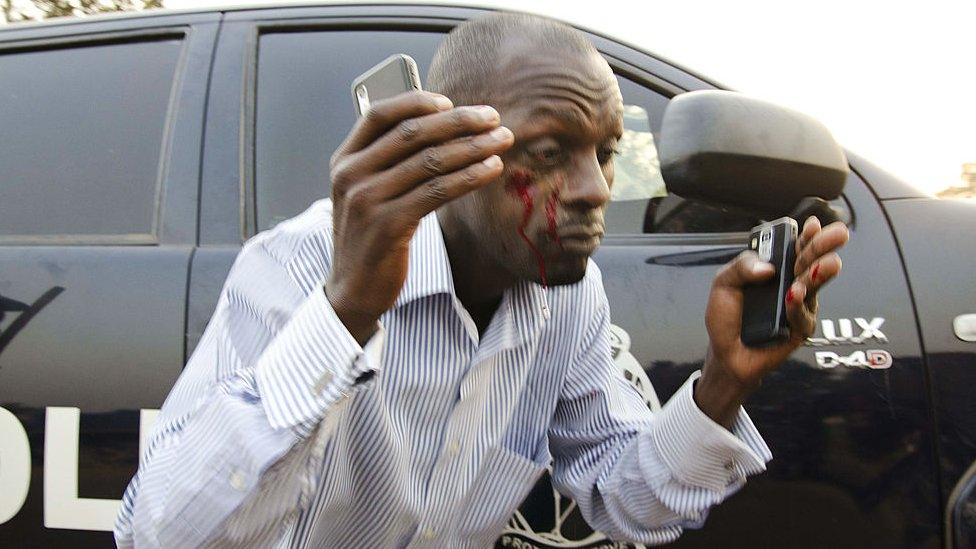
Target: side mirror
728,148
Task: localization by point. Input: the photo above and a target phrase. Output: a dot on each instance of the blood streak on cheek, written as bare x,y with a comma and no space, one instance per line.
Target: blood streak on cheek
551,215
520,185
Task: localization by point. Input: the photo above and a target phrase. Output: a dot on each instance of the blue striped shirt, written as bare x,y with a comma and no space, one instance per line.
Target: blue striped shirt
276,434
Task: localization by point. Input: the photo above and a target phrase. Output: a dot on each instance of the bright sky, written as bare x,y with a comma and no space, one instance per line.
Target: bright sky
894,81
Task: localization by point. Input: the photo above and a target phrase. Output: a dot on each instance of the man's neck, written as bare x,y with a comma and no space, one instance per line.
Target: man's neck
478,282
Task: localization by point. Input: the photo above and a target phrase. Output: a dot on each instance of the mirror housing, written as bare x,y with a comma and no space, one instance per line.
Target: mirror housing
728,148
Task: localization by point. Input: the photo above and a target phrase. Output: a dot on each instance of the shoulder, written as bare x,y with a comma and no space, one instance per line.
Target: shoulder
305,238
287,238
277,268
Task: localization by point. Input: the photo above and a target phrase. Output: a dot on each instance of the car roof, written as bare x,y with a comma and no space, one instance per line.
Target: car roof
685,75
166,12
460,11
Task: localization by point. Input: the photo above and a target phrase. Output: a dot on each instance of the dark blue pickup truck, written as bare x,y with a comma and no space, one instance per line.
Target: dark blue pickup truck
137,153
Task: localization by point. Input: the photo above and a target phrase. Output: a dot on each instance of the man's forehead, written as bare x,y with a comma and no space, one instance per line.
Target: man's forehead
521,60
578,89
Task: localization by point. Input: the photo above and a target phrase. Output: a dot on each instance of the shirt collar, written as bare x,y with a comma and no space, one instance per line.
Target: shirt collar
428,269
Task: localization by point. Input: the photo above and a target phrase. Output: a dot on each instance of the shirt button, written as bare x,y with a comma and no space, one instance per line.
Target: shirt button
238,480
454,448
429,534
730,465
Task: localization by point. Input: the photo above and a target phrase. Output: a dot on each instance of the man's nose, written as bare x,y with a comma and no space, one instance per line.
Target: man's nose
586,188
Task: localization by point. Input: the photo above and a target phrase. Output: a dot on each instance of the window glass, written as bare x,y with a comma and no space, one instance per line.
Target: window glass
81,130
640,202
305,108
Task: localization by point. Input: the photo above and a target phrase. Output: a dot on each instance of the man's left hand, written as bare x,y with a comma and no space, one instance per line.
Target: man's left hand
732,369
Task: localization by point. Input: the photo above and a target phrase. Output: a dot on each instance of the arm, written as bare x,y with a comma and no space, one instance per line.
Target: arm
232,456
642,478
733,370
242,433
635,475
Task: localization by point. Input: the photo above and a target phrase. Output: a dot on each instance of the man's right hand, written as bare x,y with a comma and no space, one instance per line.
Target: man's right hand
403,159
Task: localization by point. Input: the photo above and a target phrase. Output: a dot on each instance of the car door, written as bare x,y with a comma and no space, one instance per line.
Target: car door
852,445
852,440
100,133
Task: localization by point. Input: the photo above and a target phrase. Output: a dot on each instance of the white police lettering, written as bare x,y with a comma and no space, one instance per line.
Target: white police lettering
842,333
15,465
876,359
62,506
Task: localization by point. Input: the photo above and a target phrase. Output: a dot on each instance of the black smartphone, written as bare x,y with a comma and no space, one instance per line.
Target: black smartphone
764,305
394,75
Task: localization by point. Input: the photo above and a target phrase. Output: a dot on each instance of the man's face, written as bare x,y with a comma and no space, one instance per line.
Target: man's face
544,217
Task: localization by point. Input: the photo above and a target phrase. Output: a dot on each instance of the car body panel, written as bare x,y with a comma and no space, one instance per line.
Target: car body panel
941,294
109,340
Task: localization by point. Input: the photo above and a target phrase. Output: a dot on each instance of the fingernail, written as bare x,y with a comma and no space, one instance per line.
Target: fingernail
442,102
487,113
501,133
760,267
789,295
492,161
813,274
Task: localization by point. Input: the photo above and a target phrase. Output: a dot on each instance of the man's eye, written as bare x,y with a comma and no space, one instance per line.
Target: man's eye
606,154
547,155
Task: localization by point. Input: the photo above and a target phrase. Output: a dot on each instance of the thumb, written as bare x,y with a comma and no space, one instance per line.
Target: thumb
745,269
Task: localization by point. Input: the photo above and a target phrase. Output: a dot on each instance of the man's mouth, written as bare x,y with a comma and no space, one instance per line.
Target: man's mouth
580,238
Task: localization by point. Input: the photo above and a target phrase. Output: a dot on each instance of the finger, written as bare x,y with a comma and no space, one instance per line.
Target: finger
434,193
822,271
413,134
744,269
434,162
801,311
387,113
830,238
810,228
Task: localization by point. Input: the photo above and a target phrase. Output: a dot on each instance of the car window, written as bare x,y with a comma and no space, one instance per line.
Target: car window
304,108
81,130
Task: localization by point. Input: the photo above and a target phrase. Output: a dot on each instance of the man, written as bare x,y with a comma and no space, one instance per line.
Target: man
397,366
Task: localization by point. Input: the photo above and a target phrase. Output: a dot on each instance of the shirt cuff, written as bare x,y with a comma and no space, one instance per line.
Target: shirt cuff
702,453
312,363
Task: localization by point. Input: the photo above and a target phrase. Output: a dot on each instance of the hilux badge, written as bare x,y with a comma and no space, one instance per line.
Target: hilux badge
841,332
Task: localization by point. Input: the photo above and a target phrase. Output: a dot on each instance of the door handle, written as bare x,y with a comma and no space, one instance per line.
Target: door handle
965,327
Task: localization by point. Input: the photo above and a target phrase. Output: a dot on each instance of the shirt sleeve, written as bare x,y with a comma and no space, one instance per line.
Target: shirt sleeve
312,364
640,476
234,455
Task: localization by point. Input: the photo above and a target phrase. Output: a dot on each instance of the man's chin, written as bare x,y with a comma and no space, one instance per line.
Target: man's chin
567,271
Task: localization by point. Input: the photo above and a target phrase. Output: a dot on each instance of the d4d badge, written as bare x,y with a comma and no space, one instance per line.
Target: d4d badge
875,359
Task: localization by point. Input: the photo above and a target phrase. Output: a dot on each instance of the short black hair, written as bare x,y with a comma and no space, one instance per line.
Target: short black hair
467,61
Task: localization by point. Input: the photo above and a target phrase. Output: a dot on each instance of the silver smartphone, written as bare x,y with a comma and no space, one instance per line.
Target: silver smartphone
394,75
